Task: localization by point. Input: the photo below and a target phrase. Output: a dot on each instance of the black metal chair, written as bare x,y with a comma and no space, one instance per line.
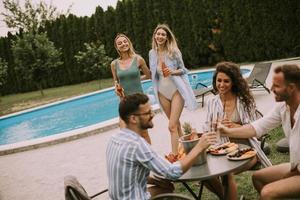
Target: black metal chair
171,196
75,191
202,91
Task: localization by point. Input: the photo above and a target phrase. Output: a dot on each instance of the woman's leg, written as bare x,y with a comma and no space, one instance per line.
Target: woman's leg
166,106
177,104
173,111
232,188
215,186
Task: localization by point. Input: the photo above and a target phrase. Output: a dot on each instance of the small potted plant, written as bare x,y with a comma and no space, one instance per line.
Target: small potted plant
187,128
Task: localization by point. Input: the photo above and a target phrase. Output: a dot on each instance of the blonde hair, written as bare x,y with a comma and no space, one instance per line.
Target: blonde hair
171,44
131,51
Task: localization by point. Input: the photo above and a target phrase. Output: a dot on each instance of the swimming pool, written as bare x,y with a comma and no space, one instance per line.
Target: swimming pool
74,114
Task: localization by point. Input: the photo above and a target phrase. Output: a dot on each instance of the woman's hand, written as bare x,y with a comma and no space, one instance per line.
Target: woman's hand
228,123
119,90
166,71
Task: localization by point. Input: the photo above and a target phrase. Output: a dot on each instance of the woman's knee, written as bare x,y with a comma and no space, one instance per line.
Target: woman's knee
173,127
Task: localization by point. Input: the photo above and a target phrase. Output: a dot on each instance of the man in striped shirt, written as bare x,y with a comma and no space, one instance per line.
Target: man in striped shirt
130,158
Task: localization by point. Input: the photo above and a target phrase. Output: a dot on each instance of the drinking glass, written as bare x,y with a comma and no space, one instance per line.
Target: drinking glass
208,127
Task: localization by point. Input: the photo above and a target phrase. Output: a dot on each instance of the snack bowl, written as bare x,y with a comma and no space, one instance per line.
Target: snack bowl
188,142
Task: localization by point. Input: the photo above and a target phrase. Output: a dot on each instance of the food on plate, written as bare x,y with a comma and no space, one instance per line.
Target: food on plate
223,148
242,154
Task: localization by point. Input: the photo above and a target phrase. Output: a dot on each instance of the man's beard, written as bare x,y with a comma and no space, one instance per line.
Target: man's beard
281,96
146,125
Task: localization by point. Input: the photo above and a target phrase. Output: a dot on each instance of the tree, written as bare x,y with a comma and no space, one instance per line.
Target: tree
3,73
36,58
94,60
31,17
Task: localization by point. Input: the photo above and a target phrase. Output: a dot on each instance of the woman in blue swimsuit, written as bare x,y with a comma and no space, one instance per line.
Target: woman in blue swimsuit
170,80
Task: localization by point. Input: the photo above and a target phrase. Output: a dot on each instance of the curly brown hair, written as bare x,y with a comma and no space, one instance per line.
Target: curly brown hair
239,85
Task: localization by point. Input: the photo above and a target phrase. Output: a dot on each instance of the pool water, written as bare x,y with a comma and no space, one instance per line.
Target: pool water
74,114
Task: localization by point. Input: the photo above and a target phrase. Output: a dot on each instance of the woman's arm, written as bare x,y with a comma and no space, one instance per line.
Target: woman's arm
115,77
180,65
113,72
143,66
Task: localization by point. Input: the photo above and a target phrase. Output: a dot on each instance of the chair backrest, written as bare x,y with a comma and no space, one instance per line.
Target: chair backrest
74,190
171,196
260,73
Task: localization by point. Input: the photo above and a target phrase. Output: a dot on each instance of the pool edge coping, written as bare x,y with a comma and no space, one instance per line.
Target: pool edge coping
63,137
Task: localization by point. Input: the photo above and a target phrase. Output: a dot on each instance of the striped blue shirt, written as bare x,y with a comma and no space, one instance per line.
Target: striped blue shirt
129,160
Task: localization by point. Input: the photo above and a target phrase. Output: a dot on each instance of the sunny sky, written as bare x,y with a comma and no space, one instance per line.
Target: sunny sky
79,8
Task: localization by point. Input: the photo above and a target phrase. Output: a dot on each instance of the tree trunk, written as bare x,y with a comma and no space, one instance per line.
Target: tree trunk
40,87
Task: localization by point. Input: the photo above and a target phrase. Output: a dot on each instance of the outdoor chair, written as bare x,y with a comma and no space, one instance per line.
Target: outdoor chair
171,196
201,92
260,146
258,76
75,191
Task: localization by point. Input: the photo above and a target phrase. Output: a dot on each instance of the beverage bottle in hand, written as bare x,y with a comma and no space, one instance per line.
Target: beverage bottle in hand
120,90
164,69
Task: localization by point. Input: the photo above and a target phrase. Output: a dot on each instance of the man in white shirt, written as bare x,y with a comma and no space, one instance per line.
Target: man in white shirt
283,180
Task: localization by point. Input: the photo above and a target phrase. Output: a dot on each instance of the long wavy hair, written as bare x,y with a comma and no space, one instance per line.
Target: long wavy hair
131,51
239,85
171,44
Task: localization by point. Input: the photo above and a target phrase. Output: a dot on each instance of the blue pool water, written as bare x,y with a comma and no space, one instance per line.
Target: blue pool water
74,114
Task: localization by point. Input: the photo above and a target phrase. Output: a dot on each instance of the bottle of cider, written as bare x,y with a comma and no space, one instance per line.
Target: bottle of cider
163,69
120,89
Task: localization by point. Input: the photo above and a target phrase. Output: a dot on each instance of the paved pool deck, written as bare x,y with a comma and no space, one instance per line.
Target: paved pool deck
39,173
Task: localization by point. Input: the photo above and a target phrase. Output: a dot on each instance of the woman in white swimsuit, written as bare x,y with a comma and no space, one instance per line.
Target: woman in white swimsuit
170,80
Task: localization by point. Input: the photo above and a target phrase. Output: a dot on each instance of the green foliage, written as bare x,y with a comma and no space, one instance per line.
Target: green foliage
207,32
29,17
94,60
35,58
3,71
187,128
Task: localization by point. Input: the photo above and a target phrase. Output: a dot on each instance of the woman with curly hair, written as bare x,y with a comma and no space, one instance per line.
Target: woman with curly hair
233,106
234,102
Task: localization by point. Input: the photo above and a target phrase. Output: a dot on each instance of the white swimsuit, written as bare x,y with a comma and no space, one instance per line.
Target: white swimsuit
166,87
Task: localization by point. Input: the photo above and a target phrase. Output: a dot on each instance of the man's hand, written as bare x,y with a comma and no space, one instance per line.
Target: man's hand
206,140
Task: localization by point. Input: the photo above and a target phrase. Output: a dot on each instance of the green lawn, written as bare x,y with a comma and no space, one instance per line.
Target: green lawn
244,179
18,102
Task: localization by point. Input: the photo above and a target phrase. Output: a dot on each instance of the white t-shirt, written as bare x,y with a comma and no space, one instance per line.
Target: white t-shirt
280,115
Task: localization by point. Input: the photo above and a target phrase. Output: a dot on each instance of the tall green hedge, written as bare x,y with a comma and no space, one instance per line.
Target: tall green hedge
207,32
